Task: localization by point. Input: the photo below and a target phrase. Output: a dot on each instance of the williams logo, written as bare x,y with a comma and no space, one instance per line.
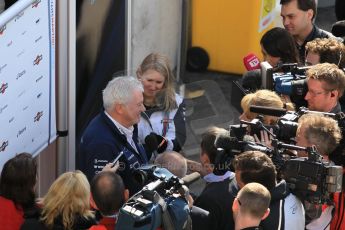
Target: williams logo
19,75
38,116
3,108
38,59
20,132
3,146
3,88
2,29
35,4
39,78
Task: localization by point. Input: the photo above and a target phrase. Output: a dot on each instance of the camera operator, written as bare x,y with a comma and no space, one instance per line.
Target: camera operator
326,50
298,16
326,84
316,130
323,50
325,134
277,46
263,97
177,165
215,196
251,206
286,210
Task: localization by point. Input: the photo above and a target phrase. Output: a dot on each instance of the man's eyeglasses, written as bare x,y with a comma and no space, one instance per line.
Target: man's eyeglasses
239,202
314,94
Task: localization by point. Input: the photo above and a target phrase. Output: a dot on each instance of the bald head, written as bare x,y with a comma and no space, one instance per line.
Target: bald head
108,192
174,162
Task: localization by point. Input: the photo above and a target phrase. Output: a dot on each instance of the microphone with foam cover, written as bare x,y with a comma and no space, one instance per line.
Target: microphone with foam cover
190,178
151,146
151,142
251,62
276,112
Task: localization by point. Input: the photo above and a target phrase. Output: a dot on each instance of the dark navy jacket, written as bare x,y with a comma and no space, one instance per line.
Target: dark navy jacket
102,142
315,33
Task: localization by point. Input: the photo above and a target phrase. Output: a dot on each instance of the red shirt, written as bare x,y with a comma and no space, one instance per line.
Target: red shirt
11,218
106,223
338,221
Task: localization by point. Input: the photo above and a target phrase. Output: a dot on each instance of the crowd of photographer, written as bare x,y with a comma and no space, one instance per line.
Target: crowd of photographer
320,87
281,168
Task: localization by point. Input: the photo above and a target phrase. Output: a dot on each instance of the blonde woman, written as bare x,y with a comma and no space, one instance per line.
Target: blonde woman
164,114
263,97
67,203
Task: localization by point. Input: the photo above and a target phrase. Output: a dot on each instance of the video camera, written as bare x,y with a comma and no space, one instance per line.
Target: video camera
309,178
163,201
286,126
288,79
285,78
236,143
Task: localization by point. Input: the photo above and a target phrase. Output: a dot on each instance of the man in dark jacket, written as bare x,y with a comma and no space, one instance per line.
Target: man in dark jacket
216,195
298,16
114,133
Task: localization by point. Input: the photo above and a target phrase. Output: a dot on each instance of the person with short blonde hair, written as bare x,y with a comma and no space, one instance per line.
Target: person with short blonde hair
251,205
326,84
67,202
317,130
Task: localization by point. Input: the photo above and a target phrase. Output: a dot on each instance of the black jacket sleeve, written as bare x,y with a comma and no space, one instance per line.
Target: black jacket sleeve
180,127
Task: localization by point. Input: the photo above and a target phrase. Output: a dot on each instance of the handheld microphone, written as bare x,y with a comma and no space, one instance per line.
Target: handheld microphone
251,62
276,112
151,142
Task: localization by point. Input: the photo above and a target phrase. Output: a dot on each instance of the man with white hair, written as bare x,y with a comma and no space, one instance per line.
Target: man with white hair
114,132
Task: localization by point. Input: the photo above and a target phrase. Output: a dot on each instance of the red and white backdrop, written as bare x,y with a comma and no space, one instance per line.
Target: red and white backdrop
27,78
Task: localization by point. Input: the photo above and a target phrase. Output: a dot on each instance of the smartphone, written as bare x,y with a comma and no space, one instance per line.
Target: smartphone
117,158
